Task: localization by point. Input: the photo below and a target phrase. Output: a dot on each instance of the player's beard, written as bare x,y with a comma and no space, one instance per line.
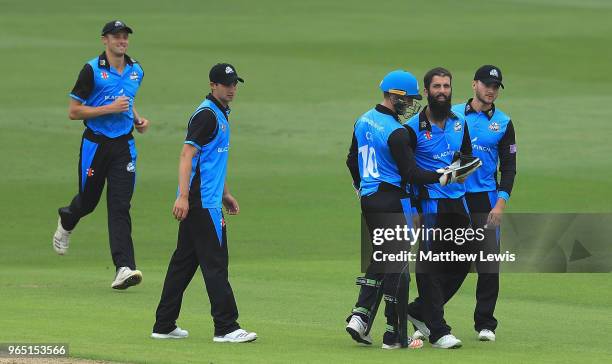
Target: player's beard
482,98
439,109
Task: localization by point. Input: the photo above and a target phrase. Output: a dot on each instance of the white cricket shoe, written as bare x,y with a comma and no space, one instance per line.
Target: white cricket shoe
177,333
61,238
486,335
414,344
357,328
236,336
126,278
447,342
420,325
418,335
391,346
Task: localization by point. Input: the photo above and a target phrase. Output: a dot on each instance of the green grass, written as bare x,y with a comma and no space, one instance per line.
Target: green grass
311,68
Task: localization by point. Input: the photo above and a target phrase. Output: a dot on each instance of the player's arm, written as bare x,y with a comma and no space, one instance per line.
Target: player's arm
181,205
353,164
401,150
201,130
507,168
229,202
77,110
466,142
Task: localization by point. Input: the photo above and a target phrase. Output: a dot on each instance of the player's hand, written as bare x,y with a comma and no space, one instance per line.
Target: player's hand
141,125
181,208
495,217
230,204
121,104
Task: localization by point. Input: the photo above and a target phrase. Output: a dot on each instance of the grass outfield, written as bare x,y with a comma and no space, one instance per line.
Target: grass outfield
310,68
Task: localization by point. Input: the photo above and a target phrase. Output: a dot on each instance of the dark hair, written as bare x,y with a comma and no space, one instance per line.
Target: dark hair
438,71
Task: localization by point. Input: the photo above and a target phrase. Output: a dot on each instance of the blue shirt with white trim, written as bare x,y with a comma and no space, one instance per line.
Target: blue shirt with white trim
493,141
100,84
434,148
209,132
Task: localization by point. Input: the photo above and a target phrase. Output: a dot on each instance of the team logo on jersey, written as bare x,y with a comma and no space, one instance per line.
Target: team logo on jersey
131,167
494,73
423,125
369,136
134,76
457,126
494,126
229,70
104,75
428,135
102,63
90,172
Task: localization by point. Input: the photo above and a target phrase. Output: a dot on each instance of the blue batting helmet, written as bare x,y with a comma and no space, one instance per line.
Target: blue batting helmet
401,83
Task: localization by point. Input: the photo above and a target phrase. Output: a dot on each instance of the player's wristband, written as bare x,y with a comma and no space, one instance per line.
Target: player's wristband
503,195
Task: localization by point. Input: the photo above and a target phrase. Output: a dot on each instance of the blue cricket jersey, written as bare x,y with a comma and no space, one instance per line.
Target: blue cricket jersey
376,164
434,148
100,84
493,141
209,165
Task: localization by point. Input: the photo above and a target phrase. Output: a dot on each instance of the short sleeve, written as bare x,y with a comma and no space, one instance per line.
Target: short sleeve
202,128
84,84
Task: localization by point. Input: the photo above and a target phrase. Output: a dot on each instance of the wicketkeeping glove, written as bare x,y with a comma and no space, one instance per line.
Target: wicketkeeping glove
460,169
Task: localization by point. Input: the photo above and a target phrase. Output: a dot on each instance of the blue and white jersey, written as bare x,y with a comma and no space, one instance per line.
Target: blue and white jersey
492,139
209,165
376,164
100,84
435,148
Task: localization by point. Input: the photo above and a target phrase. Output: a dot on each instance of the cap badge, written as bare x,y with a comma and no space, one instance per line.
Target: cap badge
494,73
118,24
229,70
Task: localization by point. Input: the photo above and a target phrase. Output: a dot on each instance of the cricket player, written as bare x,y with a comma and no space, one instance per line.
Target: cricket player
202,239
493,141
103,97
436,135
381,165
